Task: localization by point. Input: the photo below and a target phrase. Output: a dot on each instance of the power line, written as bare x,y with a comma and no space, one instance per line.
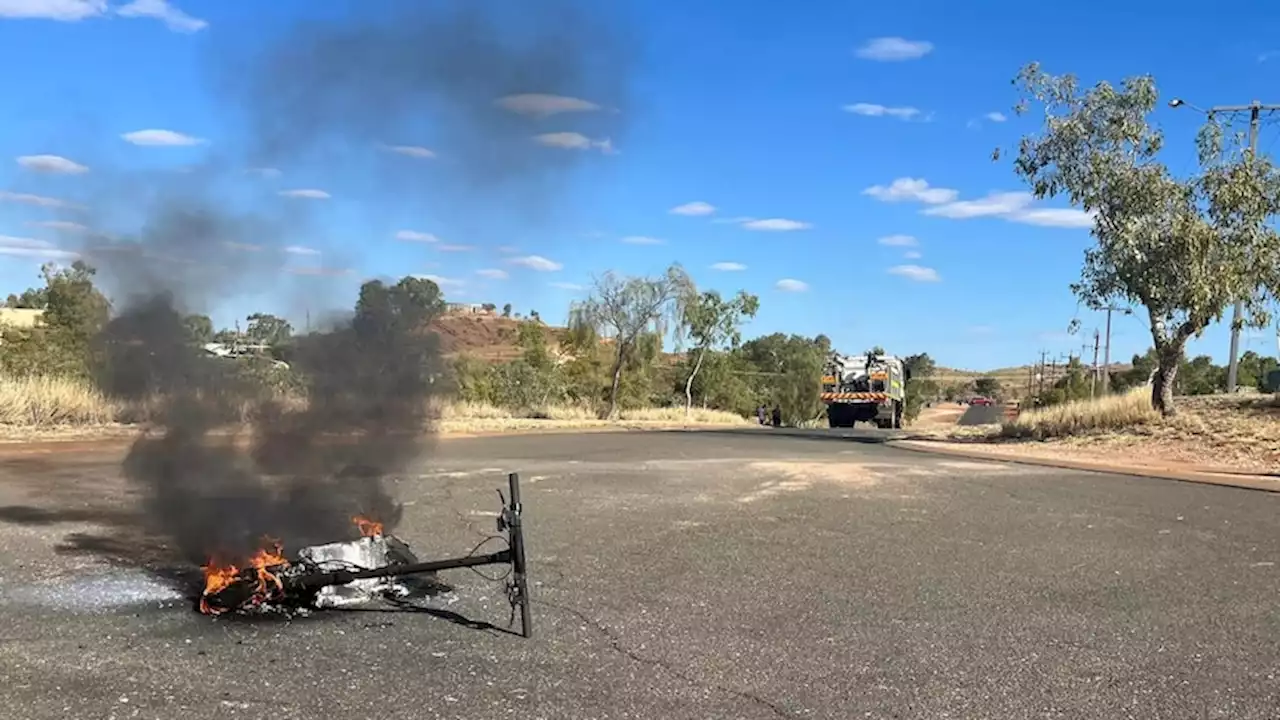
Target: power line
1254,109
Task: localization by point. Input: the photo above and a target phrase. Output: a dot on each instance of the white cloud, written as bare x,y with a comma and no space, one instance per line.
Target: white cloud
873,110
1013,207
995,117
443,282
161,138
52,164
732,220
508,249
543,105
266,172
446,247
898,241
415,236
300,250
172,17
728,266
414,151
567,286
915,273
912,255
914,189
893,49
574,141
695,208
30,247
59,10
306,193
29,199
492,273
60,225
536,262
776,225
642,240
790,285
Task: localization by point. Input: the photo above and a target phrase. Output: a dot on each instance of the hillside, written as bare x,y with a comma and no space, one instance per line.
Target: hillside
493,338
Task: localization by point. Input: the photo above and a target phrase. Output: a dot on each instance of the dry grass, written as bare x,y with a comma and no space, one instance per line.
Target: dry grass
1113,412
1237,432
61,407
52,402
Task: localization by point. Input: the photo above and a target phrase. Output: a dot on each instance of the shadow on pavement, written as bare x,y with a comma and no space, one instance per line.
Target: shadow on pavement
869,436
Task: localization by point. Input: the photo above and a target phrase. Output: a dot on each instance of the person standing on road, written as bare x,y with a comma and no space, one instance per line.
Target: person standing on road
760,413
777,416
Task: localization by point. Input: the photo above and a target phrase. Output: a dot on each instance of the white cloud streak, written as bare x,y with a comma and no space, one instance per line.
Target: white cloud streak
776,225
898,241
911,189
53,164
873,110
415,236
894,49
161,138
536,262
915,273
791,285
642,240
544,105
306,194
728,266
172,17
693,209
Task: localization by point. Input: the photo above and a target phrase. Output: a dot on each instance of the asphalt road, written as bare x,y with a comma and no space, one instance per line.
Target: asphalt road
682,575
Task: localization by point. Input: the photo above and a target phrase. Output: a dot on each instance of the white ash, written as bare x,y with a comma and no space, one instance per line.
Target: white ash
93,594
366,553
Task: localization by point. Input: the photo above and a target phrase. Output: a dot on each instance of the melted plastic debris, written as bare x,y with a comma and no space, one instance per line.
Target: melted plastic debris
365,553
93,594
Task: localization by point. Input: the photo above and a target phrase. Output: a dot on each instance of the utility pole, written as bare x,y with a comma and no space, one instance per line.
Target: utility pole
1255,109
1040,373
1106,353
1093,384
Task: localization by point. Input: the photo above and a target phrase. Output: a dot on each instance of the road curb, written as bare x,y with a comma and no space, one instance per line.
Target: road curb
1203,478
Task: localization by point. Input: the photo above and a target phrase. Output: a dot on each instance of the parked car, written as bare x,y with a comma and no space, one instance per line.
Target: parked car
981,401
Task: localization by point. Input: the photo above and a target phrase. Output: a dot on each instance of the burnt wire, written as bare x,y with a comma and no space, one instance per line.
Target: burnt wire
481,544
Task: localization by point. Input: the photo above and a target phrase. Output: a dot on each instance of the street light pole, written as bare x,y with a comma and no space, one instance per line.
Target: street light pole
1255,109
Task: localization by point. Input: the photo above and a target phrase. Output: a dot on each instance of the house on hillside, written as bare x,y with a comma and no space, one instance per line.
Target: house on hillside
467,309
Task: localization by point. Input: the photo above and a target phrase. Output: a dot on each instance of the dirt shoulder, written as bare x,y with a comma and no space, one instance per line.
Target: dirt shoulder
1224,435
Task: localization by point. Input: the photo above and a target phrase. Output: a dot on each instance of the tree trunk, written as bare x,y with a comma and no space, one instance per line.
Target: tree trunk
688,384
613,391
1168,357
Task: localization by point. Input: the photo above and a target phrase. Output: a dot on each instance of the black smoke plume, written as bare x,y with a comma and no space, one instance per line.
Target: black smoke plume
345,101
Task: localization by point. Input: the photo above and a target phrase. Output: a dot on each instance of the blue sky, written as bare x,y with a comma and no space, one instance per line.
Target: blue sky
833,159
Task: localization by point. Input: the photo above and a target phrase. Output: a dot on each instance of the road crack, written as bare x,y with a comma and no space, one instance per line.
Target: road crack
615,643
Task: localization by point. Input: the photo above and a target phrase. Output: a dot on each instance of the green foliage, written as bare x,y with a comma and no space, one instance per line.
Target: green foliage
919,391
919,366
988,387
1184,249
790,367
625,309
267,329
74,312
712,322
199,328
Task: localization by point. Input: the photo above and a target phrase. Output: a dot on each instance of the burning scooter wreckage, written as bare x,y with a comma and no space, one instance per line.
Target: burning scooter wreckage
345,573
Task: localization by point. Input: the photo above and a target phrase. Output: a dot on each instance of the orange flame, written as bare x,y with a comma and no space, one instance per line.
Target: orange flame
368,528
218,577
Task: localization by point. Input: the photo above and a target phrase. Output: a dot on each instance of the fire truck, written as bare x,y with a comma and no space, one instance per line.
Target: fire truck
864,388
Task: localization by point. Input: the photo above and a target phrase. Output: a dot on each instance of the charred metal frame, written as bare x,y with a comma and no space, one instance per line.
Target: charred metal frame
509,522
